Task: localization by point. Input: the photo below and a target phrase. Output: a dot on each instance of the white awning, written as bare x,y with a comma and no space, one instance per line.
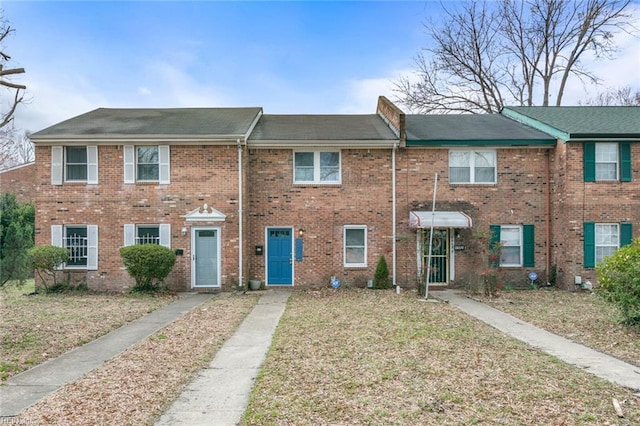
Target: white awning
440,220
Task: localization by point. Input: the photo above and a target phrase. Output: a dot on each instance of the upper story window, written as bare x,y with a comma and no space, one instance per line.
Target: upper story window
74,164
316,167
146,164
472,166
355,246
607,162
81,242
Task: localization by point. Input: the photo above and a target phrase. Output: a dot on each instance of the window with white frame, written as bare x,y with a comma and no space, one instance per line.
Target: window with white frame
607,240
146,164
74,164
76,243
81,242
355,246
606,161
316,167
147,234
511,241
472,166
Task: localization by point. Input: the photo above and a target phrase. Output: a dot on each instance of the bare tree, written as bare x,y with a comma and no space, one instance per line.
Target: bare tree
623,96
486,55
16,90
15,148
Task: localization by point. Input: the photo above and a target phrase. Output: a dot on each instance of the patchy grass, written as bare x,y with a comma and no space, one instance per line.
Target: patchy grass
374,357
38,327
136,387
581,316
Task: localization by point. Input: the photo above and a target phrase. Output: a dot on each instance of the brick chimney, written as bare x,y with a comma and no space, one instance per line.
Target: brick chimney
393,116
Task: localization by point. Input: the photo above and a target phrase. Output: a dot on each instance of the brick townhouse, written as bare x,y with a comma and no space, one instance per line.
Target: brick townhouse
293,200
595,183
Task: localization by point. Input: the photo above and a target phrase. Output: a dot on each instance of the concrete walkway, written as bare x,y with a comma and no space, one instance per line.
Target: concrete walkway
599,364
29,387
220,393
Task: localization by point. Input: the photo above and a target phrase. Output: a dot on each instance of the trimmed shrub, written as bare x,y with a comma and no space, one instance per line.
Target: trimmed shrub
619,279
148,264
381,277
45,260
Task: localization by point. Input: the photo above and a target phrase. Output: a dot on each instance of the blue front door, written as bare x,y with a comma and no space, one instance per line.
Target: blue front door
279,256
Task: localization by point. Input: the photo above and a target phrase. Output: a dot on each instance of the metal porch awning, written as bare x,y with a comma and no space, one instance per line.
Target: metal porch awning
422,219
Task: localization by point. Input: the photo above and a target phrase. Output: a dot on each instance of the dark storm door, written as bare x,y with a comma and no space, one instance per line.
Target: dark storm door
439,271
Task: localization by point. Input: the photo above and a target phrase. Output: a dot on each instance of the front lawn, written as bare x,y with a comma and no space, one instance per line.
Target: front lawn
374,357
39,327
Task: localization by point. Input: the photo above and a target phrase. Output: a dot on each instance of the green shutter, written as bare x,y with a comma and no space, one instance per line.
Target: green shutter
625,162
589,244
494,242
528,246
626,234
589,162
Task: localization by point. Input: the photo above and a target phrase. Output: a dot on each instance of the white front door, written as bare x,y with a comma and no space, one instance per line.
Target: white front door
205,257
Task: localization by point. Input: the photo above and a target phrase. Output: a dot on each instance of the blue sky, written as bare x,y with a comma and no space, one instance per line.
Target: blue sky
288,57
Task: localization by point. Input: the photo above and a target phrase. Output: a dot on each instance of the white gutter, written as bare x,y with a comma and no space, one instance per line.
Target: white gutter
240,217
393,211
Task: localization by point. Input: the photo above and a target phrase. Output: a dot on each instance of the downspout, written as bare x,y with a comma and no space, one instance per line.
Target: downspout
240,217
547,171
393,211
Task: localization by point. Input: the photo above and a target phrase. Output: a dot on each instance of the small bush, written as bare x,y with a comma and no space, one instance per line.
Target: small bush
619,279
381,277
148,264
44,260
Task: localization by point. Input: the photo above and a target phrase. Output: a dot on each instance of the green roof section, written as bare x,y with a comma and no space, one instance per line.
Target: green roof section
471,130
154,122
580,122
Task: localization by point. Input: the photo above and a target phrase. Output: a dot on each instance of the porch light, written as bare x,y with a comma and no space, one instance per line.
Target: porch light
301,232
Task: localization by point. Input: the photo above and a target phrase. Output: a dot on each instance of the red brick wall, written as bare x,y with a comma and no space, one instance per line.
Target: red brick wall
363,198
576,202
199,175
519,197
19,180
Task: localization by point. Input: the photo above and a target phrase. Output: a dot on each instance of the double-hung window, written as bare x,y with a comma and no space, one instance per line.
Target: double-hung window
607,161
603,239
472,166
74,164
321,167
81,242
147,234
146,163
355,246
516,245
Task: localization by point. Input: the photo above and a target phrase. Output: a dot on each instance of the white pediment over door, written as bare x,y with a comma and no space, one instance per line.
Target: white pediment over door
205,214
